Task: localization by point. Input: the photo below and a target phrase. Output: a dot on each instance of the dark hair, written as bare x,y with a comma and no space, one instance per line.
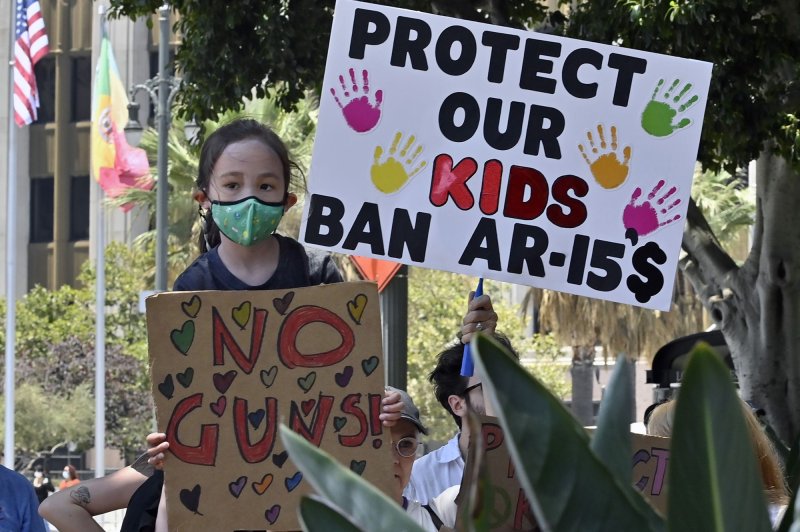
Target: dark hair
236,131
73,474
446,376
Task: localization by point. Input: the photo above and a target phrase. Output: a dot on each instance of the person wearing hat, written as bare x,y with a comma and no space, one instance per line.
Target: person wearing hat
405,444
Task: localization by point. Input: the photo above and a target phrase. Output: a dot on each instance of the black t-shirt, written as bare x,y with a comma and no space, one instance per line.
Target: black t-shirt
209,273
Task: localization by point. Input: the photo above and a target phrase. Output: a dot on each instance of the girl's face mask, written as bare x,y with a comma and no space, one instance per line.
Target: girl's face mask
65,474
247,221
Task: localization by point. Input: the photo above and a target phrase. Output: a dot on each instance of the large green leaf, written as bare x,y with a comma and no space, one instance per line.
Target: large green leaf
569,487
315,515
714,480
611,441
362,503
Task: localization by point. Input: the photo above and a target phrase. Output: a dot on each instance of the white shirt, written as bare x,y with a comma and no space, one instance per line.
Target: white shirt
435,472
421,516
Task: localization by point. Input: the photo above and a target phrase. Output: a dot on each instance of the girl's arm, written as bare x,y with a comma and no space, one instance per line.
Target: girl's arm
72,509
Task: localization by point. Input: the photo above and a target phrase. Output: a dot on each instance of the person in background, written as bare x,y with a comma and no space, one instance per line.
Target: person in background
18,504
660,422
439,470
70,476
41,484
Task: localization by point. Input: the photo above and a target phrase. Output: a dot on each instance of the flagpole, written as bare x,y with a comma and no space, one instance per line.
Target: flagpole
100,320
11,252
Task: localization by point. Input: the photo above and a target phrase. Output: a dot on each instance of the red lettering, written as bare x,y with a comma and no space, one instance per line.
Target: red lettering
318,421
524,513
375,409
299,318
492,436
258,452
203,454
451,181
223,338
350,406
576,214
521,178
490,189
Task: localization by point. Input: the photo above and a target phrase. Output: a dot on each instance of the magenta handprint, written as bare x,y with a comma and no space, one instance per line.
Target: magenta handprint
646,216
359,112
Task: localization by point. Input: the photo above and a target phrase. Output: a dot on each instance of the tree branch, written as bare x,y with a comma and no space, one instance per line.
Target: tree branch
703,248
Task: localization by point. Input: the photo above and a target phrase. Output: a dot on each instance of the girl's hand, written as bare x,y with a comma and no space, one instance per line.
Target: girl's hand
392,406
157,446
480,316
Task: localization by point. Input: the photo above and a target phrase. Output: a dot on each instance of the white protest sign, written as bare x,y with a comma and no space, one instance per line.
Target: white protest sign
512,155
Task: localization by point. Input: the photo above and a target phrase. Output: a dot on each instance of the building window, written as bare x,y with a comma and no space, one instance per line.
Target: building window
81,88
45,72
79,208
41,210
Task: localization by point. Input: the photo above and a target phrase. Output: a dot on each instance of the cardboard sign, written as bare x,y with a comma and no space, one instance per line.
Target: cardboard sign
499,153
512,510
228,367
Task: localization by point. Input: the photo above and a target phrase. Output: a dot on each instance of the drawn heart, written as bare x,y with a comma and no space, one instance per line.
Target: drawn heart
280,458
273,513
186,377
307,406
343,378
182,338
256,417
357,466
308,381
191,498
339,422
241,314
237,487
281,304
261,487
268,376
356,308
293,481
369,365
218,407
192,307
167,388
223,381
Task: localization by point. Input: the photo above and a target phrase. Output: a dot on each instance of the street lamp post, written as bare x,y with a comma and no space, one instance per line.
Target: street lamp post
161,91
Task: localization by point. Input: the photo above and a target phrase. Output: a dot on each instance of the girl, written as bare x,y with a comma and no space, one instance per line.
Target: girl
243,185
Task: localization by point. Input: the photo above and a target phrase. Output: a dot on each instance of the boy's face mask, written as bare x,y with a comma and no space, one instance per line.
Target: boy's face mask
247,221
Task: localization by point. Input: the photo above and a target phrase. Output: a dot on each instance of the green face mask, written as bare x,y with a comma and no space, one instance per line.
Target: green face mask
247,221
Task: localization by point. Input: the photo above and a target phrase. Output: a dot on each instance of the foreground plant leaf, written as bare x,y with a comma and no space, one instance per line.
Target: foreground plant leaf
611,441
358,500
568,485
316,515
715,484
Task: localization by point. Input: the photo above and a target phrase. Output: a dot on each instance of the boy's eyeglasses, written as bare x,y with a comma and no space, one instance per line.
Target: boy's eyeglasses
406,447
470,388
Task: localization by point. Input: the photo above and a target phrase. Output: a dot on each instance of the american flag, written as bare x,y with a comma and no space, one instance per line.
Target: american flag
30,46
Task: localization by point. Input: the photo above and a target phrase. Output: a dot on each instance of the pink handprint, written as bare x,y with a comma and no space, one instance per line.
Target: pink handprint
647,216
359,113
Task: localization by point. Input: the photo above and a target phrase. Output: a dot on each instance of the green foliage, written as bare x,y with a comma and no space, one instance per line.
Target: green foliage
44,420
573,484
437,304
55,346
726,204
285,44
755,48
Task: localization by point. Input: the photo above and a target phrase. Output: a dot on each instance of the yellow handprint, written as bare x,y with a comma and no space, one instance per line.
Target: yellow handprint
394,172
606,168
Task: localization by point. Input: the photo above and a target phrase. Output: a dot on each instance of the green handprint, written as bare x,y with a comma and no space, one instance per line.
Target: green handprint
658,117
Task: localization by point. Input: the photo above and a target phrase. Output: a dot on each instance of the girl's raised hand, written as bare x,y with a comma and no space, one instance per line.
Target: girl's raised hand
392,406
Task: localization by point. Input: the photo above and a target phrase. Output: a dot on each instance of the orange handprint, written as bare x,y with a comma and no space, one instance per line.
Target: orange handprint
392,173
606,168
